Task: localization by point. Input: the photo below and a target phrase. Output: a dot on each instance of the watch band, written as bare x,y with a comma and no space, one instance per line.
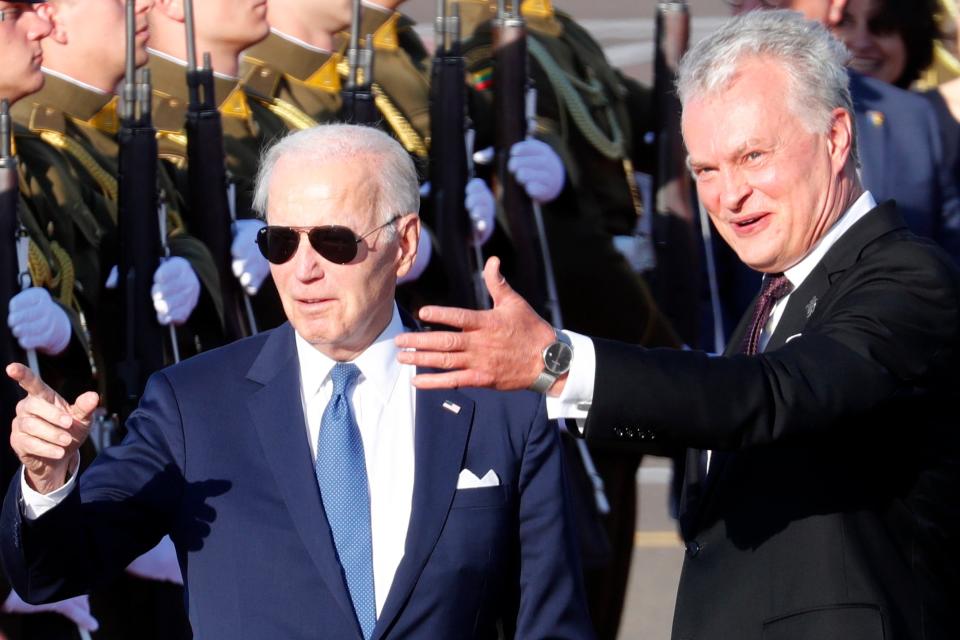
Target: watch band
544,381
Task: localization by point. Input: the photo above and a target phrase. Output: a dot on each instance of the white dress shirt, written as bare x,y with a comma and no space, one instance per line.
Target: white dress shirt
577,395
384,404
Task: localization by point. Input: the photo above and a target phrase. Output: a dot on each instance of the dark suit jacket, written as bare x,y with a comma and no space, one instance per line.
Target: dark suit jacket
217,456
831,509
902,158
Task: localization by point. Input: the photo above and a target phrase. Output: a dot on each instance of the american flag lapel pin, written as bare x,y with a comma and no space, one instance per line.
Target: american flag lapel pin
452,407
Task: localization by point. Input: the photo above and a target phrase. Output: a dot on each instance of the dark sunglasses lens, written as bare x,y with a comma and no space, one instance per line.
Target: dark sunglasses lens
277,244
336,244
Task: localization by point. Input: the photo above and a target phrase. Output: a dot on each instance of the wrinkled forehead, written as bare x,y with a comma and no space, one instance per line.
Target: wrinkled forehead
331,191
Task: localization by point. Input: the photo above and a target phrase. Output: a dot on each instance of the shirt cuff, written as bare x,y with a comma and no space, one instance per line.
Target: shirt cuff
36,504
577,395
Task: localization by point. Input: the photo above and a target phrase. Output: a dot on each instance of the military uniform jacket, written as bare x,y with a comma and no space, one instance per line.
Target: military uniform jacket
290,74
592,117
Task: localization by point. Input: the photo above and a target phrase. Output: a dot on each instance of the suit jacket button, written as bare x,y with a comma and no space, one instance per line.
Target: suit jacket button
693,548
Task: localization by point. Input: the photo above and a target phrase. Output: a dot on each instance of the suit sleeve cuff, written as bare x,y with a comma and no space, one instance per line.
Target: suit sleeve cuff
577,395
36,504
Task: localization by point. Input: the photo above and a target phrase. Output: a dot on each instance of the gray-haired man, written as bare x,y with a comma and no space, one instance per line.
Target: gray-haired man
822,460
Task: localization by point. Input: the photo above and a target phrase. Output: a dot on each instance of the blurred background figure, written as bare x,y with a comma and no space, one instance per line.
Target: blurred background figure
895,41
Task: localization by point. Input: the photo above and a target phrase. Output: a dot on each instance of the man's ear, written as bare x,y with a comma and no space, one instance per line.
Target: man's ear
51,12
835,12
172,9
840,138
408,235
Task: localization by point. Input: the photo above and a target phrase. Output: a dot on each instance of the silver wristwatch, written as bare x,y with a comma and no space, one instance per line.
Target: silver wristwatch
556,362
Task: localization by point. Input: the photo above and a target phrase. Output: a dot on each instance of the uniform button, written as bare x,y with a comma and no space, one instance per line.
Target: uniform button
693,548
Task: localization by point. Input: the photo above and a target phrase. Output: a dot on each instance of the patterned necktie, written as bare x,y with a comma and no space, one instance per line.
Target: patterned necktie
342,476
775,286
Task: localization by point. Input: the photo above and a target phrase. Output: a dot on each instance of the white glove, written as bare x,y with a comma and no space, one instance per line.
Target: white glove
249,266
160,563
76,609
38,322
175,291
481,206
424,251
538,168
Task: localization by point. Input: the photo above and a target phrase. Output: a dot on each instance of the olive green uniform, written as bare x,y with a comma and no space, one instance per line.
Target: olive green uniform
293,75
594,118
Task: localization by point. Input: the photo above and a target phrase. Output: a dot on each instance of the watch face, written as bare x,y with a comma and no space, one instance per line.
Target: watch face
557,358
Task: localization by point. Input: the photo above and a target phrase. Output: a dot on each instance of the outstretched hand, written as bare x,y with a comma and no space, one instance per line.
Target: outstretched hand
47,430
500,348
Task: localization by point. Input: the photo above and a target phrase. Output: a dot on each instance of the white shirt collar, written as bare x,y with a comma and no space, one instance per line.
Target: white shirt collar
378,363
183,63
66,78
298,41
861,207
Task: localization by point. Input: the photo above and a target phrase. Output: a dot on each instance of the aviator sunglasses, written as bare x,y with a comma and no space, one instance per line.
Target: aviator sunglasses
335,243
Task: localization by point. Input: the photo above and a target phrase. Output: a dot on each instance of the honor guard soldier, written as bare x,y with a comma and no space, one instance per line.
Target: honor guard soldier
224,29
40,309
74,119
595,119
296,65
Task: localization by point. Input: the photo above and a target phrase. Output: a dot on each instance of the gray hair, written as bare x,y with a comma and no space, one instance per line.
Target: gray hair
398,189
813,59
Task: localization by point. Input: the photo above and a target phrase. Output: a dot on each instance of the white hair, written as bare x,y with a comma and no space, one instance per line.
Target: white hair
812,58
398,189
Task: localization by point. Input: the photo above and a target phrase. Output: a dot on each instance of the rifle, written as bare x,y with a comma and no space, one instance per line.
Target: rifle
451,164
510,105
515,106
357,94
143,351
211,214
676,277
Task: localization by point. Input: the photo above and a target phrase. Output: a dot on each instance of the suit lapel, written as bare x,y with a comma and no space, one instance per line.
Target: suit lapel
277,413
801,306
439,445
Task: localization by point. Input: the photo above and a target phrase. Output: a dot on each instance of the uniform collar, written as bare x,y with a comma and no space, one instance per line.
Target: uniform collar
168,75
76,99
297,59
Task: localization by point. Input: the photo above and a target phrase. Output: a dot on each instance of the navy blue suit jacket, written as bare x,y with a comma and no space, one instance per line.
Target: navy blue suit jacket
901,157
217,456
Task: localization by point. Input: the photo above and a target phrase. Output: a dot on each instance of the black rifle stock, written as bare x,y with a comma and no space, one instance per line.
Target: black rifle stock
510,88
676,279
357,93
142,335
211,220
450,166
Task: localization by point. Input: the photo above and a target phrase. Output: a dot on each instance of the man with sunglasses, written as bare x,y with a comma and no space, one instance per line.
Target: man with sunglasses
901,155
310,489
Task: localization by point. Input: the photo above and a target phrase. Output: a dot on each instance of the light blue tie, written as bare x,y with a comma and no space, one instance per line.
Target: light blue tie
342,476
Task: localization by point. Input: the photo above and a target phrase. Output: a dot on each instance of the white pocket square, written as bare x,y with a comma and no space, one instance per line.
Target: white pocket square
469,481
